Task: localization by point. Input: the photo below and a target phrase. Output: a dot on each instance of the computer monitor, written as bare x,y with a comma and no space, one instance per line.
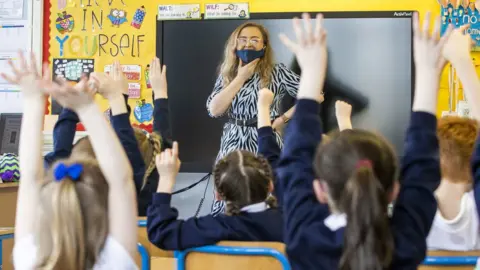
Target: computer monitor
10,124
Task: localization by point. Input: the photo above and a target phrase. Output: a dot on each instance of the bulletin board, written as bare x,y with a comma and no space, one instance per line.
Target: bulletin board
458,13
88,35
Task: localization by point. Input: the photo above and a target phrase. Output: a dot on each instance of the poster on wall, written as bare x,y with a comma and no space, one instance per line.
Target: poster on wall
227,11
461,12
72,69
88,35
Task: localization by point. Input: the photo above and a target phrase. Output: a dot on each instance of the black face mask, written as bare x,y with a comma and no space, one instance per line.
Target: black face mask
248,55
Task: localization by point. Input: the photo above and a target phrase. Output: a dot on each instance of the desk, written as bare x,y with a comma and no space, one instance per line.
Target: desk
5,233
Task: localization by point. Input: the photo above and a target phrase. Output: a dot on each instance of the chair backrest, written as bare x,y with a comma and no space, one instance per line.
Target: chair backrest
234,255
143,239
451,260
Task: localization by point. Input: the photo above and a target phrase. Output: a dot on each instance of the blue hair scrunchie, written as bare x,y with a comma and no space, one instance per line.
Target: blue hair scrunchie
73,171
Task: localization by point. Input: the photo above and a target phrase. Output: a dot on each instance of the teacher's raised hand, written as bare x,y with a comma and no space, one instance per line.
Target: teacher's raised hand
245,72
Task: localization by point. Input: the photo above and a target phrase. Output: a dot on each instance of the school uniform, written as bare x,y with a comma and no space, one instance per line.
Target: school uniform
112,256
63,136
161,125
314,236
256,222
124,130
269,149
460,233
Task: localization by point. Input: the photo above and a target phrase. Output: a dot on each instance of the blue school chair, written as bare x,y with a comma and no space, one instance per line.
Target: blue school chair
145,258
232,250
142,223
450,261
3,237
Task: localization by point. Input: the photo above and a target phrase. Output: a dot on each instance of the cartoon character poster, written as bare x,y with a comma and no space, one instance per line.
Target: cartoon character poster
459,13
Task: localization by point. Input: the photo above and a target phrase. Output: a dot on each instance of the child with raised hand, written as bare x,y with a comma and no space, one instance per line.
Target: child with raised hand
114,87
340,221
459,230
82,214
242,179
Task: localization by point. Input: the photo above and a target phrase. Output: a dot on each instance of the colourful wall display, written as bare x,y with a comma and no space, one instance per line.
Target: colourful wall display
87,35
460,13
138,45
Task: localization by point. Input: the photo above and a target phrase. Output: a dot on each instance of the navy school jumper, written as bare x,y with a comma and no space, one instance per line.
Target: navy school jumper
167,232
161,125
311,244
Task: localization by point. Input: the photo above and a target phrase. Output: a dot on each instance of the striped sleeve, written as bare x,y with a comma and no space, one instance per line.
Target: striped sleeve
289,80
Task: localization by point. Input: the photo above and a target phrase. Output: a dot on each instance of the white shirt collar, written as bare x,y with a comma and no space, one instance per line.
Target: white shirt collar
335,221
255,208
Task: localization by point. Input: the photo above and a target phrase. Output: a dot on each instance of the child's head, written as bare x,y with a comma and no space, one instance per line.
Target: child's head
242,178
357,172
73,214
456,137
150,145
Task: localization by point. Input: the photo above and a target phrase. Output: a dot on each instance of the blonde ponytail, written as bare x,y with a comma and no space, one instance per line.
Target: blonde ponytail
72,217
155,141
67,230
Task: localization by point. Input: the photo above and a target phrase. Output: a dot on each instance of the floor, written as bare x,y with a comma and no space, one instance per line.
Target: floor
188,201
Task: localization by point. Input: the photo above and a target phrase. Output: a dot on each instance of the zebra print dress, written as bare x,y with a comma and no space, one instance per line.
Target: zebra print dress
244,107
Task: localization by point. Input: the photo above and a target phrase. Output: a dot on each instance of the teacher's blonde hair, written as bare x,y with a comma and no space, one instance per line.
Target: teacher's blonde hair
229,67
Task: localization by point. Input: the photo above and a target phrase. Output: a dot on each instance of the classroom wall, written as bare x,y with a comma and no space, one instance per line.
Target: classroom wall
309,5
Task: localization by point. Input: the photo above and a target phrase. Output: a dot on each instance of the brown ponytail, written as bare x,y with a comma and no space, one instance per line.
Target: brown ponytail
360,169
241,179
368,240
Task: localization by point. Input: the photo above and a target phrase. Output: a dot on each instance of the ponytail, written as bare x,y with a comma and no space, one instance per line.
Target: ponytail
67,229
155,142
368,240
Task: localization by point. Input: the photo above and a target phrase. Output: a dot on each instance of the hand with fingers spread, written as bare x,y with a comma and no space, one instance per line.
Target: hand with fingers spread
311,46
458,46
158,79
311,52
25,74
168,166
75,97
429,62
245,72
110,86
343,112
428,47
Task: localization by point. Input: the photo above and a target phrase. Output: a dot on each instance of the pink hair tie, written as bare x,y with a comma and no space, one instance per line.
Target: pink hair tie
364,163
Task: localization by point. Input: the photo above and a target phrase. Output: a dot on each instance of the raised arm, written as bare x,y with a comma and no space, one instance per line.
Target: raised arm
63,136
114,87
26,75
267,143
161,111
457,51
415,207
111,157
221,99
343,112
295,170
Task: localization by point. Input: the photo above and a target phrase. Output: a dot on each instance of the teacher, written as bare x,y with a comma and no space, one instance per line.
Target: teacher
248,67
